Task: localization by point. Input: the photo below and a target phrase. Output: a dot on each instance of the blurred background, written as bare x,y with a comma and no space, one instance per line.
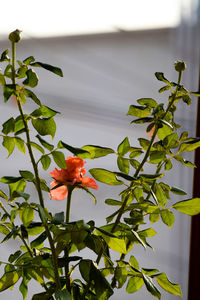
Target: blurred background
109,51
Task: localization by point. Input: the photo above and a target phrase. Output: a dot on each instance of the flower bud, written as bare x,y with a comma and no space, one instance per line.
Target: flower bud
180,66
14,36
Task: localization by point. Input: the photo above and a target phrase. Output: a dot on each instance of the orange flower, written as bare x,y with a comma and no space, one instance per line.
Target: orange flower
70,176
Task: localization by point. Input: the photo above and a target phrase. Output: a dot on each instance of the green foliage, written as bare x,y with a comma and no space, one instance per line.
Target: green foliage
105,176
45,126
168,286
189,207
49,241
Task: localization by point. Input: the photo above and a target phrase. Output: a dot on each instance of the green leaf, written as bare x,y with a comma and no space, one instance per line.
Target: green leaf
17,194
164,88
149,271
2,80
167,217
138,239
14,256
29,60
189,207
59,159
8,91
133,262
20,144
134,284
4,56
113,202
46,161
9,279
124,147
8,126
27,215
48,67
160,76
44,111
44,143
177,191
3,195
93,151
39,240
164,131
115,243
150,286
21,72
138,111
147,177
9,144
36,146
156,157
47,112
187,99
184,161
160,195
7,71
125,176
135,163
45,126
28,93
4,229
149,102
197,94
142,120
32,78
27,175
170,141
154,217
138,193
105,176
121,275
168,165
144,143
168,286
101,286
74,150
10,179
123,164
18,186
58,218
149,232
190,145
42,214
19,124
42,296
63,295
23,288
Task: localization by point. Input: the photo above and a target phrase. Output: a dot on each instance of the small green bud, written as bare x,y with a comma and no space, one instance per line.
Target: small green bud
15,36
180,66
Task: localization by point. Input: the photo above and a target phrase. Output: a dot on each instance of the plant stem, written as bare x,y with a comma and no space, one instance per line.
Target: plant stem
69,197
37,179
66,251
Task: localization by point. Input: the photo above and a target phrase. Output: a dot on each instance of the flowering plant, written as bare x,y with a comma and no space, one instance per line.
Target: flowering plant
51,244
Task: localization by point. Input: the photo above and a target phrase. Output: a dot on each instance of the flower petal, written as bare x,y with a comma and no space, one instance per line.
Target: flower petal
59,193
59,175
89,182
